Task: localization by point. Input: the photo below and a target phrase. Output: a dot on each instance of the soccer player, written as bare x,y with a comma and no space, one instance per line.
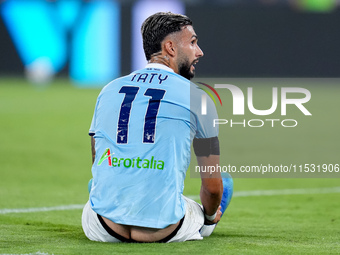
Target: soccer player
141,133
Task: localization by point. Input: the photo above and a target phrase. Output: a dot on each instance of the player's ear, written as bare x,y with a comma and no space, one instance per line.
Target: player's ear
170,48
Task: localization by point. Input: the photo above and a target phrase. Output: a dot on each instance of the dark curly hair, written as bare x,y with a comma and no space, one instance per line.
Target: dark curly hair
156,27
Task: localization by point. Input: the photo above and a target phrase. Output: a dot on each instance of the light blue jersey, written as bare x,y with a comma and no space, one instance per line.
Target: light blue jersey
143,127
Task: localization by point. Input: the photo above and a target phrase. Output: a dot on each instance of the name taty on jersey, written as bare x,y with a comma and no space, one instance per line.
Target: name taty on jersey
128,162
148,77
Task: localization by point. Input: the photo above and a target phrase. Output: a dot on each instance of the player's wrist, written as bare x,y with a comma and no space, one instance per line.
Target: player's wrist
210,217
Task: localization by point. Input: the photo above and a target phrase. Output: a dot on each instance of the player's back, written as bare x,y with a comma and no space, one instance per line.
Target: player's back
142,133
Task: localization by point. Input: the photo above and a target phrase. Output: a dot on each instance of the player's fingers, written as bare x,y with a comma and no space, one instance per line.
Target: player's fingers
218,216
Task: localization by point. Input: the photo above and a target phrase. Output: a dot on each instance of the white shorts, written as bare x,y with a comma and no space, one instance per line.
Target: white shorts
190,229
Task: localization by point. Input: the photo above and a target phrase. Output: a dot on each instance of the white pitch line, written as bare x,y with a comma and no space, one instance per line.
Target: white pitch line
41,209
37,253
249,193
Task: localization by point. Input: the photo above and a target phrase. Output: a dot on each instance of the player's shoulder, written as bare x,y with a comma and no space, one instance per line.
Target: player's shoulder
114,84
196,96
196,91
120,80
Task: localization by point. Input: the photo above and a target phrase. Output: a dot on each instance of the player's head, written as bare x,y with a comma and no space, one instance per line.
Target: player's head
173,32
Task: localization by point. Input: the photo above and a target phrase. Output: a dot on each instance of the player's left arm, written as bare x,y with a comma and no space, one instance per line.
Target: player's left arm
211,187
93,150
207,150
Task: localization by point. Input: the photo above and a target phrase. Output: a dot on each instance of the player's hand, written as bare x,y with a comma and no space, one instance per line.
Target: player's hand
217,218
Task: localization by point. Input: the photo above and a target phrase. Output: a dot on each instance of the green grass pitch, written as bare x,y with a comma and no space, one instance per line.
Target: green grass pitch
45,162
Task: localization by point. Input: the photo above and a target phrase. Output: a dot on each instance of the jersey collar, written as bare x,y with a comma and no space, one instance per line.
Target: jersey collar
159,66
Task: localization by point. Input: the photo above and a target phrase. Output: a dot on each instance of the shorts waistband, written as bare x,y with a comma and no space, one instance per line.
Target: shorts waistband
123,239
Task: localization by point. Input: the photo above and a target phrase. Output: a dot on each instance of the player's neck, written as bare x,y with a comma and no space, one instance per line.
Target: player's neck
162,59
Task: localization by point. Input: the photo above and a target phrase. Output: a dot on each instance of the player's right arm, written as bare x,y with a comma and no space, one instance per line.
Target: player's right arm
93,150
92,132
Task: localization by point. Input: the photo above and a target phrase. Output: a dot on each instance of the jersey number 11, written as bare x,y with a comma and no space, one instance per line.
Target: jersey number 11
150,116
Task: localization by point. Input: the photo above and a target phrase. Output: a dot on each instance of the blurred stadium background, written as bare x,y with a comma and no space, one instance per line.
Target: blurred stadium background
70,44
93,42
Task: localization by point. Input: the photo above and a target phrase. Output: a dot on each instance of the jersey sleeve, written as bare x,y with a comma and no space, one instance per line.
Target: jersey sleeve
92,130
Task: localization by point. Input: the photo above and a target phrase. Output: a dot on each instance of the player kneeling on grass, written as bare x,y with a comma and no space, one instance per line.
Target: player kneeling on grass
141,133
